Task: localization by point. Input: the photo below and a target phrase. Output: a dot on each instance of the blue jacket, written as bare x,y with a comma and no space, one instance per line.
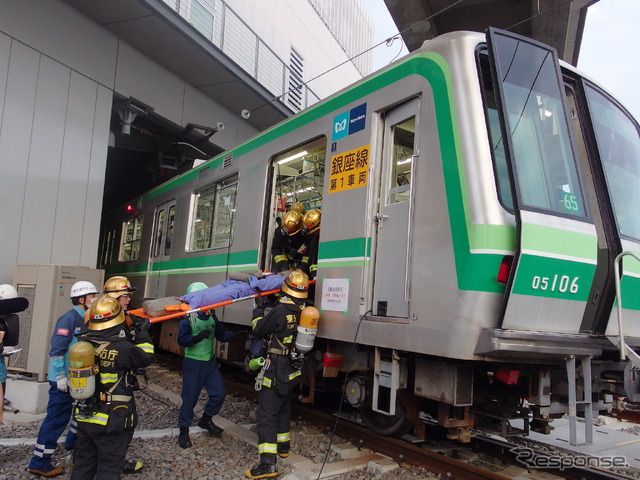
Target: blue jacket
64,335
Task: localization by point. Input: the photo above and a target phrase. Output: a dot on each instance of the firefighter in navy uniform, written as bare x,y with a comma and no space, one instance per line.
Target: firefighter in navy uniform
106,421
311,237
287,241
273,414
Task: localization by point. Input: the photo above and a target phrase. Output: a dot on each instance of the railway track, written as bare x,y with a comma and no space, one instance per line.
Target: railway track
449,460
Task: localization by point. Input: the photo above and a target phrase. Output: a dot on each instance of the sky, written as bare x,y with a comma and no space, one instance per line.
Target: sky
608,54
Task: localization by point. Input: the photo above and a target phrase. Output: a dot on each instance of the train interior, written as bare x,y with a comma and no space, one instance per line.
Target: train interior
298,176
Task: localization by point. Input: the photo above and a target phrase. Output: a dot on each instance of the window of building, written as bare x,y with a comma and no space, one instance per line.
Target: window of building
213,215
131,239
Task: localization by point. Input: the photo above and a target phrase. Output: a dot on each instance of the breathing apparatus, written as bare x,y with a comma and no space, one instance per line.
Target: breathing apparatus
83,372
305,335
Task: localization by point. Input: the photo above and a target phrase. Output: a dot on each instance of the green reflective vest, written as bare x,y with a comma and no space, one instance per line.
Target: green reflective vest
203,350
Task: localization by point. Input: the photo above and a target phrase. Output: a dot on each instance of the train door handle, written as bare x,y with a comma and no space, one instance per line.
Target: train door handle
381,216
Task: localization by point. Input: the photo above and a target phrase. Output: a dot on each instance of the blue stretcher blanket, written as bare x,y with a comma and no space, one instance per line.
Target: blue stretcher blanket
232,289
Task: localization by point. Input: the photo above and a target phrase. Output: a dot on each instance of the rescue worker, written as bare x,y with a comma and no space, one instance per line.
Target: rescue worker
285,254
197,334
311,237
59,407
273,414
120,288
106,424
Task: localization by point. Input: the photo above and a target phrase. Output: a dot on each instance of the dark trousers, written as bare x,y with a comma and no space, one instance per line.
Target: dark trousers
273,416
58,415
97,455
196,375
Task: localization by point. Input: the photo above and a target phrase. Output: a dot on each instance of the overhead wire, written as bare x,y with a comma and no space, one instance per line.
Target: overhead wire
299,86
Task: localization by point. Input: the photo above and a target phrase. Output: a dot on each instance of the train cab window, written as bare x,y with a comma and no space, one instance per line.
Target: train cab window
213,215
403,135
618,142
543,159
131,237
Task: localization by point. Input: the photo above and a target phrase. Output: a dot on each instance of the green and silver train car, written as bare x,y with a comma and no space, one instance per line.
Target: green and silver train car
475,195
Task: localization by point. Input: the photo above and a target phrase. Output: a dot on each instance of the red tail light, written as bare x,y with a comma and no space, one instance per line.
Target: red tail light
505,269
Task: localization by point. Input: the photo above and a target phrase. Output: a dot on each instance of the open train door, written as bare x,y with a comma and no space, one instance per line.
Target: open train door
160,251
556,242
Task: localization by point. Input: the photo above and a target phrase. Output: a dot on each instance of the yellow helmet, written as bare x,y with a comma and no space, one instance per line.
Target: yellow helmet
311,221
296,284
297,207
115,287
105,313
290,222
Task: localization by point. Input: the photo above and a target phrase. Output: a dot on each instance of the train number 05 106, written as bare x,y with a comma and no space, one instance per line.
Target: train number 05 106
560,283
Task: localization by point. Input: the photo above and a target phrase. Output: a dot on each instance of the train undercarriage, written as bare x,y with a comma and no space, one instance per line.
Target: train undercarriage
397,393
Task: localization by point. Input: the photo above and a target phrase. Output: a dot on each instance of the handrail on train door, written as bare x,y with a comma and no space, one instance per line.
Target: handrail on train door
616,270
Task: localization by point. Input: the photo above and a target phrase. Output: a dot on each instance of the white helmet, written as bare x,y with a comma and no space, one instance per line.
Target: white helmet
82,288
7,291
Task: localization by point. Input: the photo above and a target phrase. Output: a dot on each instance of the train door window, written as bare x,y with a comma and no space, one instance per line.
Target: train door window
298,176
402,153
131,237
169,236
546,170
157,240
214,215
107,247
618,143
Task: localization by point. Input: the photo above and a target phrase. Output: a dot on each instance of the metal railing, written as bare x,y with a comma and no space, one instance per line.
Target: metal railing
616,269
226,30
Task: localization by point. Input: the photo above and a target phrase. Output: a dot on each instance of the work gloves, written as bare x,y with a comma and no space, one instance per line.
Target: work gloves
62,383
201,336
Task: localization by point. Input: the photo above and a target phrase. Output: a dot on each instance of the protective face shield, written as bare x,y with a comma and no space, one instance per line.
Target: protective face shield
196,286
311,221
105,313
290,223
115,287
296,284
82,288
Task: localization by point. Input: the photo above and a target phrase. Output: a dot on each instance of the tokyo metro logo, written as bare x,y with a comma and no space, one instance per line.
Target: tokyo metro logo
349,122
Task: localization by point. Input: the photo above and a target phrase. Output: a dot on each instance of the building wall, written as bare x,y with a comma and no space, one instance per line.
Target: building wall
286,24
58,73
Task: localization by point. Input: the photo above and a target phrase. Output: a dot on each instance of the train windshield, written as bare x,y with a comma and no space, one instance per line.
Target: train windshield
619,147
543,159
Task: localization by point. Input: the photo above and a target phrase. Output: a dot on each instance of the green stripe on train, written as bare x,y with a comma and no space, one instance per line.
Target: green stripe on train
553,278
339,252
470,268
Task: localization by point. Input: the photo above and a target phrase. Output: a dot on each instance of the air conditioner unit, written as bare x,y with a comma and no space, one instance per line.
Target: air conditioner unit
47,288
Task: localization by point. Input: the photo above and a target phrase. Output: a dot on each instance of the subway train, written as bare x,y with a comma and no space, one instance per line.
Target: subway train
477,198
